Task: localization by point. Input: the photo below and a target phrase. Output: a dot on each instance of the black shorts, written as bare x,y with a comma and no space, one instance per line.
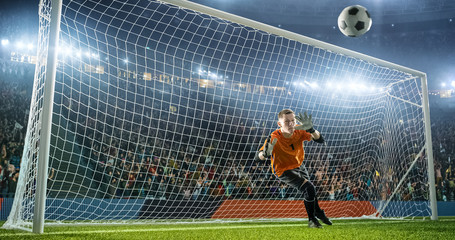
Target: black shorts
295,177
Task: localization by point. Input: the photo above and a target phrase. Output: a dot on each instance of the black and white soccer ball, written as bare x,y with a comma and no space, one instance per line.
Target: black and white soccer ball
354,21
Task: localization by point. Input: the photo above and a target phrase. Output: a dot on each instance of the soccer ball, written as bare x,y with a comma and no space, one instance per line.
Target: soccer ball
354,21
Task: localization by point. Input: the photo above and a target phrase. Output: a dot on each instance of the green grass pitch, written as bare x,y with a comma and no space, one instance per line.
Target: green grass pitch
444,228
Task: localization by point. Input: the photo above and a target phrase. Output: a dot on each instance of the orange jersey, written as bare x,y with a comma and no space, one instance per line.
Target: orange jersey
287,153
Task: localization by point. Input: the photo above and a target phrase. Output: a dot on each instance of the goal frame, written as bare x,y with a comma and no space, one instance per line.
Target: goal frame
46,117
330,47
46,114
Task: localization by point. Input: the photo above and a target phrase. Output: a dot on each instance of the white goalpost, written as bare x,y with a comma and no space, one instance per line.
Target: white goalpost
153,111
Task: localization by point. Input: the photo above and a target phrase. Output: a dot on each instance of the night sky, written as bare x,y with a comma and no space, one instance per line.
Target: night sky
397,44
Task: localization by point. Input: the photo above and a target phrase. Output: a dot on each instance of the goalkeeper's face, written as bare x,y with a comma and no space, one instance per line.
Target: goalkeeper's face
287,123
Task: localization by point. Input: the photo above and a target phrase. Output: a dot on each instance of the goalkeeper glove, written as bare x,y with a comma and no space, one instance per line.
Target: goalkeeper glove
306,122
268,148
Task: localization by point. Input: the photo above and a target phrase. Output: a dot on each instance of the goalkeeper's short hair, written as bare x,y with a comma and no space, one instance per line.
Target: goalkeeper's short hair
284,112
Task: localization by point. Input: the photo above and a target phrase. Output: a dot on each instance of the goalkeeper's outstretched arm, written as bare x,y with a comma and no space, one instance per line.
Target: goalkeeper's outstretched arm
307,125
267,150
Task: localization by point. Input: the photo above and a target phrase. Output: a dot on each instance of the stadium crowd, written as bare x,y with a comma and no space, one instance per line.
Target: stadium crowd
203,169
182,164
15,95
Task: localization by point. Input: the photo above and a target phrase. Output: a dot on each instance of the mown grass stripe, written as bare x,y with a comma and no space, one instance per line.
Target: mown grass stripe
214,227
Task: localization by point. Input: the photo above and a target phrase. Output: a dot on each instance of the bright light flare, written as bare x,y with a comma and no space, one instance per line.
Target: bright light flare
20,45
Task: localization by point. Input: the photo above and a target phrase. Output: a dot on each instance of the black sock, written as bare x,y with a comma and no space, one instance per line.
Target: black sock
310,209
310,198
316,206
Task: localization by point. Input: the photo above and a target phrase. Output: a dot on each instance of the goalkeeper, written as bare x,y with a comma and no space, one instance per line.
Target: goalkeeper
284,147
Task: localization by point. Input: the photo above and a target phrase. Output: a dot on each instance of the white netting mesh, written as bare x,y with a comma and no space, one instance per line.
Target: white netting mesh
158,112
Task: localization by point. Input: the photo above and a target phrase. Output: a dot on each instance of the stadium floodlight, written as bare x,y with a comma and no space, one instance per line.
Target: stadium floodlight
313,84
5,42
64,50
19,45
453,84
354,87
174,147
299,84
213,75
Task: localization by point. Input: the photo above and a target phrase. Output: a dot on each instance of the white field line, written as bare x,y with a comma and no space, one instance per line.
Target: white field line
150,229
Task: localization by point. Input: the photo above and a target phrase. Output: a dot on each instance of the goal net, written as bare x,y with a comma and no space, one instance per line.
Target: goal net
158,111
